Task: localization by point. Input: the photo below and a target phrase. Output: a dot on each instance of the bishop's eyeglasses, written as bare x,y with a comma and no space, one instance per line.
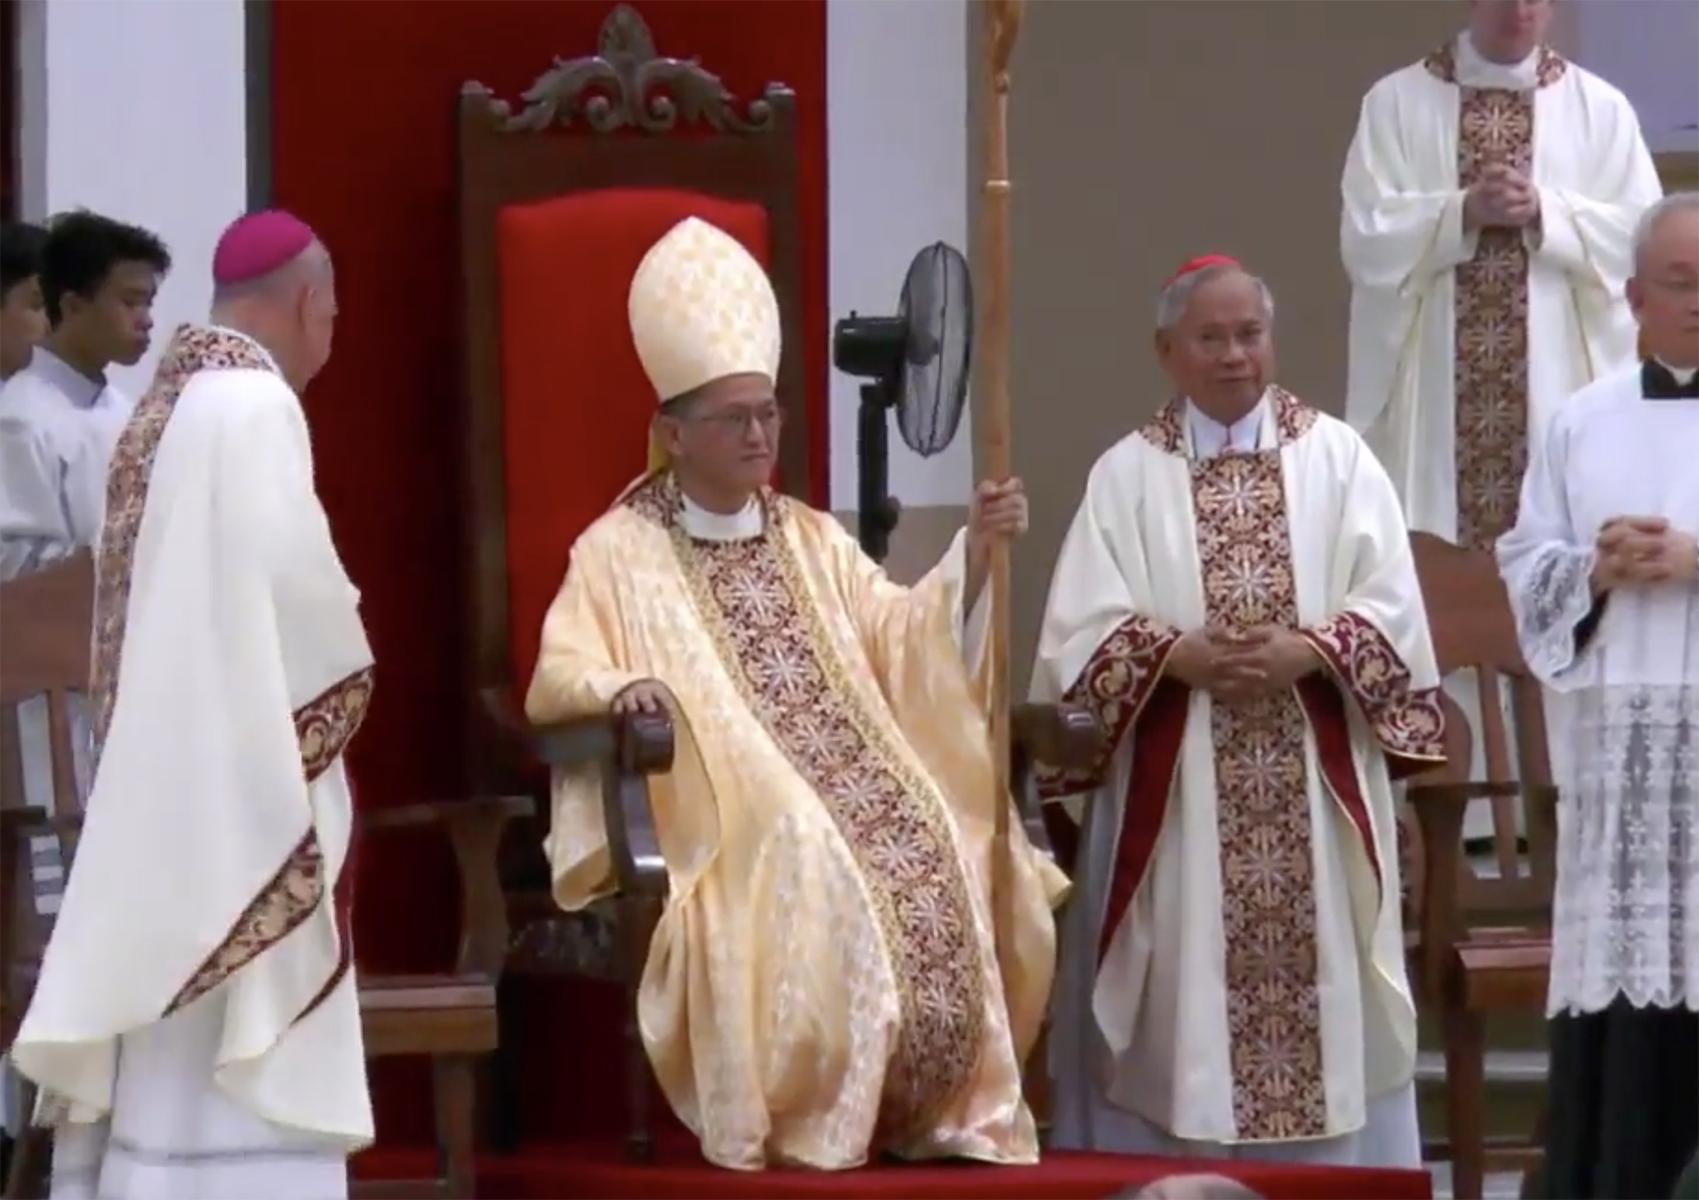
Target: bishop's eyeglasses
736,422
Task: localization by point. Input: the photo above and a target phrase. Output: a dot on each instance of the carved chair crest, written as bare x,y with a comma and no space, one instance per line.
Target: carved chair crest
628,84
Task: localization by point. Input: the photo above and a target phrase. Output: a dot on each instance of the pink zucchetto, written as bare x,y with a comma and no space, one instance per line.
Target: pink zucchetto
258,244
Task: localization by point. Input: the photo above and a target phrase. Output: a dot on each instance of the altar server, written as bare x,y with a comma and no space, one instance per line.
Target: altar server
195,1029
1237,603
1603,574
823,985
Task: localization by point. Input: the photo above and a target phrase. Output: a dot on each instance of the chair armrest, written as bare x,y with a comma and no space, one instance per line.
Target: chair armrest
1060,735
474,829
633,743
1440,809
625,749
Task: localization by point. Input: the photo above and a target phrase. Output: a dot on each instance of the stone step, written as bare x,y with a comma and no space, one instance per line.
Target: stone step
1517,1068
1500,1185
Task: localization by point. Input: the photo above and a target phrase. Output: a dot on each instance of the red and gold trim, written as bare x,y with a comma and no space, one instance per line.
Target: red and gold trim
1116,684
1409,725
1490,333
765,624
324,727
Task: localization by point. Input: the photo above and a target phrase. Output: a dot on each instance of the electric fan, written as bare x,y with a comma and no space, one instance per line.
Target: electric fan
916,363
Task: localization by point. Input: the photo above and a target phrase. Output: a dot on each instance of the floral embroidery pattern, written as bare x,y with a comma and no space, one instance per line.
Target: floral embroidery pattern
1262,798
1114,686
1496,126
1407,724
324,727
753,598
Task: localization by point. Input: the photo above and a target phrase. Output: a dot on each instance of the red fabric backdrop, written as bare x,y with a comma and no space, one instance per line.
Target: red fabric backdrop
363,100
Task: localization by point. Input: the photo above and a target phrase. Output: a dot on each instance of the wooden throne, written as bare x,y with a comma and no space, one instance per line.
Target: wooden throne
560,197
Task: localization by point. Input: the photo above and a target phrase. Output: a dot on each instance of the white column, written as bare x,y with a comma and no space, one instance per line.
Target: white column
896,138
137,109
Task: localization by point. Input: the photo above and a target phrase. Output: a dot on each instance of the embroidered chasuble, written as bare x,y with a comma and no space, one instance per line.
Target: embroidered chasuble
823,982
1623,669
1461,344
1232,978
195,1029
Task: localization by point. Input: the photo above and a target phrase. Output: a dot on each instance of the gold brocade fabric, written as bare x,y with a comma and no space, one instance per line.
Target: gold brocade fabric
823,984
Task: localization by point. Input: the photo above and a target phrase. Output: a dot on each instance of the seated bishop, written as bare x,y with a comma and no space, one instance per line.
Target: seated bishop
1237,602
823,983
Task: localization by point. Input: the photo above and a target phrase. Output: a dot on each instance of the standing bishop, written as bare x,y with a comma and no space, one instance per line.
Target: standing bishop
195,1029
1490,196
823,983
1237,603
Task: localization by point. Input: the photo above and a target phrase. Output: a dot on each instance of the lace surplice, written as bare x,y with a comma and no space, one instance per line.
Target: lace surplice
1623,704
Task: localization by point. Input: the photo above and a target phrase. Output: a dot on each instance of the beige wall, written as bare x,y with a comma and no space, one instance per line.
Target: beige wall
1143,132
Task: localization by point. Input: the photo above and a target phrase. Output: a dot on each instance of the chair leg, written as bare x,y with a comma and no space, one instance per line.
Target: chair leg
1534,1178
637,922
1465,1100
30,1172
454,1084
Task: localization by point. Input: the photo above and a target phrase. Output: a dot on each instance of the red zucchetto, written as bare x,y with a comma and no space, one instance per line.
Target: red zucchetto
258,244
1202,262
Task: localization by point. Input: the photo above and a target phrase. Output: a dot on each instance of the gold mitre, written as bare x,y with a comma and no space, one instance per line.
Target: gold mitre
701,308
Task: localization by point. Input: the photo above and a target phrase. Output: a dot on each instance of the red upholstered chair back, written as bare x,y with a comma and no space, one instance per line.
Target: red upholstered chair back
558,204
575,401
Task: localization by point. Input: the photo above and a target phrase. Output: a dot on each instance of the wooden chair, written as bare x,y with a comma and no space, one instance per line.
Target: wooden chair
1484,944
450,1018
559,200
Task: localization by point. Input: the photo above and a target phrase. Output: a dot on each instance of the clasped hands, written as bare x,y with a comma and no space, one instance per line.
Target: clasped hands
1501,197
1241,665
1638,551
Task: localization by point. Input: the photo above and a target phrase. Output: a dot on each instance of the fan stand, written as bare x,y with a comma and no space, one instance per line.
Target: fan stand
879,510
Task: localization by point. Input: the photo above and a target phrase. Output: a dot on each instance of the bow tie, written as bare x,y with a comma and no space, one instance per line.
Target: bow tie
1658,382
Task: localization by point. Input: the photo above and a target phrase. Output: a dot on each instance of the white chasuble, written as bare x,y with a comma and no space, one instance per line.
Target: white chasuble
1624,673
195,1029
1462,344
823,983
1233,969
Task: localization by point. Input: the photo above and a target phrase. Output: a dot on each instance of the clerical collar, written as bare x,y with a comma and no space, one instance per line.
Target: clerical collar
708,526
1476,70
252,341
65,379
1209,437
1660,381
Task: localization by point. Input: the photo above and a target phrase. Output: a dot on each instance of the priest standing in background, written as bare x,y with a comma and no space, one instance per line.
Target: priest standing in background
1490,195
195,1029
1237,604
1603,574
823,985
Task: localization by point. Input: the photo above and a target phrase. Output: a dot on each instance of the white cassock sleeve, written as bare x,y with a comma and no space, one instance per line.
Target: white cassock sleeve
1547,568
1398,233
1098,647
1375,641
1590,233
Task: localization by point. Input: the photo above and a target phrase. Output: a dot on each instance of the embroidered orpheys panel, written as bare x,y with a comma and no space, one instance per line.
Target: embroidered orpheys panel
755,601
1490,373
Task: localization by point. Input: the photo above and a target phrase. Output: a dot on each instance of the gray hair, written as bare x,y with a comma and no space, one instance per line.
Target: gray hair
1191,1187
1177,296
1654,215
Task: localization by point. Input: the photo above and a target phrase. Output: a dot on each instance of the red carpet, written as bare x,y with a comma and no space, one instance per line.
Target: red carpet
598,1172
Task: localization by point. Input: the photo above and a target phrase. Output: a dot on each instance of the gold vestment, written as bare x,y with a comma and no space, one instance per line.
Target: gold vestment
823,982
